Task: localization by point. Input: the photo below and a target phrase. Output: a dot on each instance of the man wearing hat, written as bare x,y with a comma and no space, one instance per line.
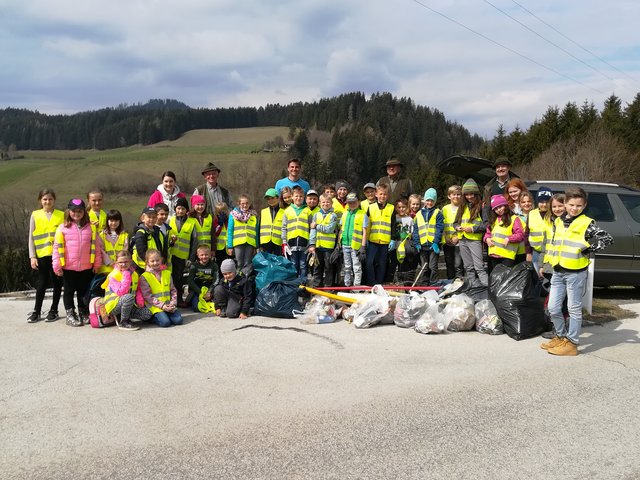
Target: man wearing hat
399,187
496,185
293,177
211,191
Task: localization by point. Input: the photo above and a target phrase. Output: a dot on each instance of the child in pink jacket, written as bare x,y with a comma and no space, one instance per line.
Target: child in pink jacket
76,255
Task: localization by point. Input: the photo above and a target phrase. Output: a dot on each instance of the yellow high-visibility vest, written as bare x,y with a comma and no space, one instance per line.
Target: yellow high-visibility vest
245,232
297,225
465,221
449,213
568,244
110,297
111,249
537,230
159,289
101,219
203,232
426,231
358,227
324,240
271,230
182,246
380,223
45,230
500,236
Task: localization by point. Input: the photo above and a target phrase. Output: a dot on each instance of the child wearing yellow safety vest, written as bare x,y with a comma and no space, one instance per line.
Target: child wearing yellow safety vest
114,238
450,247
120,287
221,216
403,257
146,237
183,229
369,191
427,235
538,226
42,228
504,233
322,241
76,256
271,224
158,291
575,238
312,199
295,232
339,202
97,216
205,223
242,233
382,237
470,225
354,226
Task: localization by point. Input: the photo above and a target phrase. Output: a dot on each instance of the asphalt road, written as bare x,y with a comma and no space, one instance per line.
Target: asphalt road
268,398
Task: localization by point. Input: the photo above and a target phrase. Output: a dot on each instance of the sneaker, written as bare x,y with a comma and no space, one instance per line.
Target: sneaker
566,349
223,314
555,341
34,317
52,315
72,318
127,325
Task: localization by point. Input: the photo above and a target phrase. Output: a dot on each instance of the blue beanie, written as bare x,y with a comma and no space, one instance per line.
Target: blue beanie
430,194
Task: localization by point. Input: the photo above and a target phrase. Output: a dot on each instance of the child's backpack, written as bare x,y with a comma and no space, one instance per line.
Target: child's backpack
98,316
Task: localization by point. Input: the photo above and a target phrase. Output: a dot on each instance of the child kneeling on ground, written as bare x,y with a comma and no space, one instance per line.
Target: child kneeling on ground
120,293
235,295
202,273
159,293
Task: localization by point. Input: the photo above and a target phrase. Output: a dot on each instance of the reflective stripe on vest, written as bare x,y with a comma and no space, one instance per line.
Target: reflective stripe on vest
159,289
203,232
537,229
297,225
568,244
245,232
45,230
500,237
324,240
110,297
465,221
151,243
271,231
380,224
182,246
60,241
358,227
111,249
449,214
426,231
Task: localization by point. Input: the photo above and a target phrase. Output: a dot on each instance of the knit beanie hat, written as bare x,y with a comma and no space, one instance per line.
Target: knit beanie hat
196,199
430,194
470,186
544,194
498,201
182,202
228,266
341,184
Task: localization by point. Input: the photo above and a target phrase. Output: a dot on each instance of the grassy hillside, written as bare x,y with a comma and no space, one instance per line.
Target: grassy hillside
129,175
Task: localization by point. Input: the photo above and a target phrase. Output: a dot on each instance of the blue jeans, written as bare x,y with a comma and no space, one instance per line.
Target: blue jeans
572,285
352,267
376,262
166,319
299,259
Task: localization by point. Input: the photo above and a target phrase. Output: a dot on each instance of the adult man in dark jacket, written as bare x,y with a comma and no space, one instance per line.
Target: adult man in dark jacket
399,187
211,191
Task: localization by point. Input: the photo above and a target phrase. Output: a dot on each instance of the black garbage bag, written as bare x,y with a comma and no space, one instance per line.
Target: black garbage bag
269,268
472,287
279,299
513,293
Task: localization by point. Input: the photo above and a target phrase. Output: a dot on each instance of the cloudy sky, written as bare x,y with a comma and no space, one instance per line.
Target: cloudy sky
65,56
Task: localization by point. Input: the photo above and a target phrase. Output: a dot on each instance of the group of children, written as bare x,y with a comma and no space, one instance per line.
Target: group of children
143,276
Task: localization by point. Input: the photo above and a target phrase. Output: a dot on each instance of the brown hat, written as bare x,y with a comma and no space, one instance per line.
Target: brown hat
393,161
209,167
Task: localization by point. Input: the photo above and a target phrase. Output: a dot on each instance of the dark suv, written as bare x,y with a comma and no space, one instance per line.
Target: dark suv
615,208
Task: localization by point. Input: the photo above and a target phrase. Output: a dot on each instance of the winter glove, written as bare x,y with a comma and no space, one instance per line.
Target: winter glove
436,248
392,245
362,255
418,247
286,251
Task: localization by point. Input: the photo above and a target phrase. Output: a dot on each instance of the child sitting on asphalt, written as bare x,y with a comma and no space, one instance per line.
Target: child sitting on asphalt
202,273
235,295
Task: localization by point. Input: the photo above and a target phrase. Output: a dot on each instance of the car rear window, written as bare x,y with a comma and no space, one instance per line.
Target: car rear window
632,204
599,208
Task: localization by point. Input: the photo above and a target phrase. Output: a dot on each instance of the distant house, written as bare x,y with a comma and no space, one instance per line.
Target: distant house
288,144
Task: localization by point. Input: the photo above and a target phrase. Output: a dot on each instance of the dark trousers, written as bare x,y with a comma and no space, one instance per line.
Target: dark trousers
45,272
376,262
227,301
78,283
272,248
430,272
323,273
453,261
177,275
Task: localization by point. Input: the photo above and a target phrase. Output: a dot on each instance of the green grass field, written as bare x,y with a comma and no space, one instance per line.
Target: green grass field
129,175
